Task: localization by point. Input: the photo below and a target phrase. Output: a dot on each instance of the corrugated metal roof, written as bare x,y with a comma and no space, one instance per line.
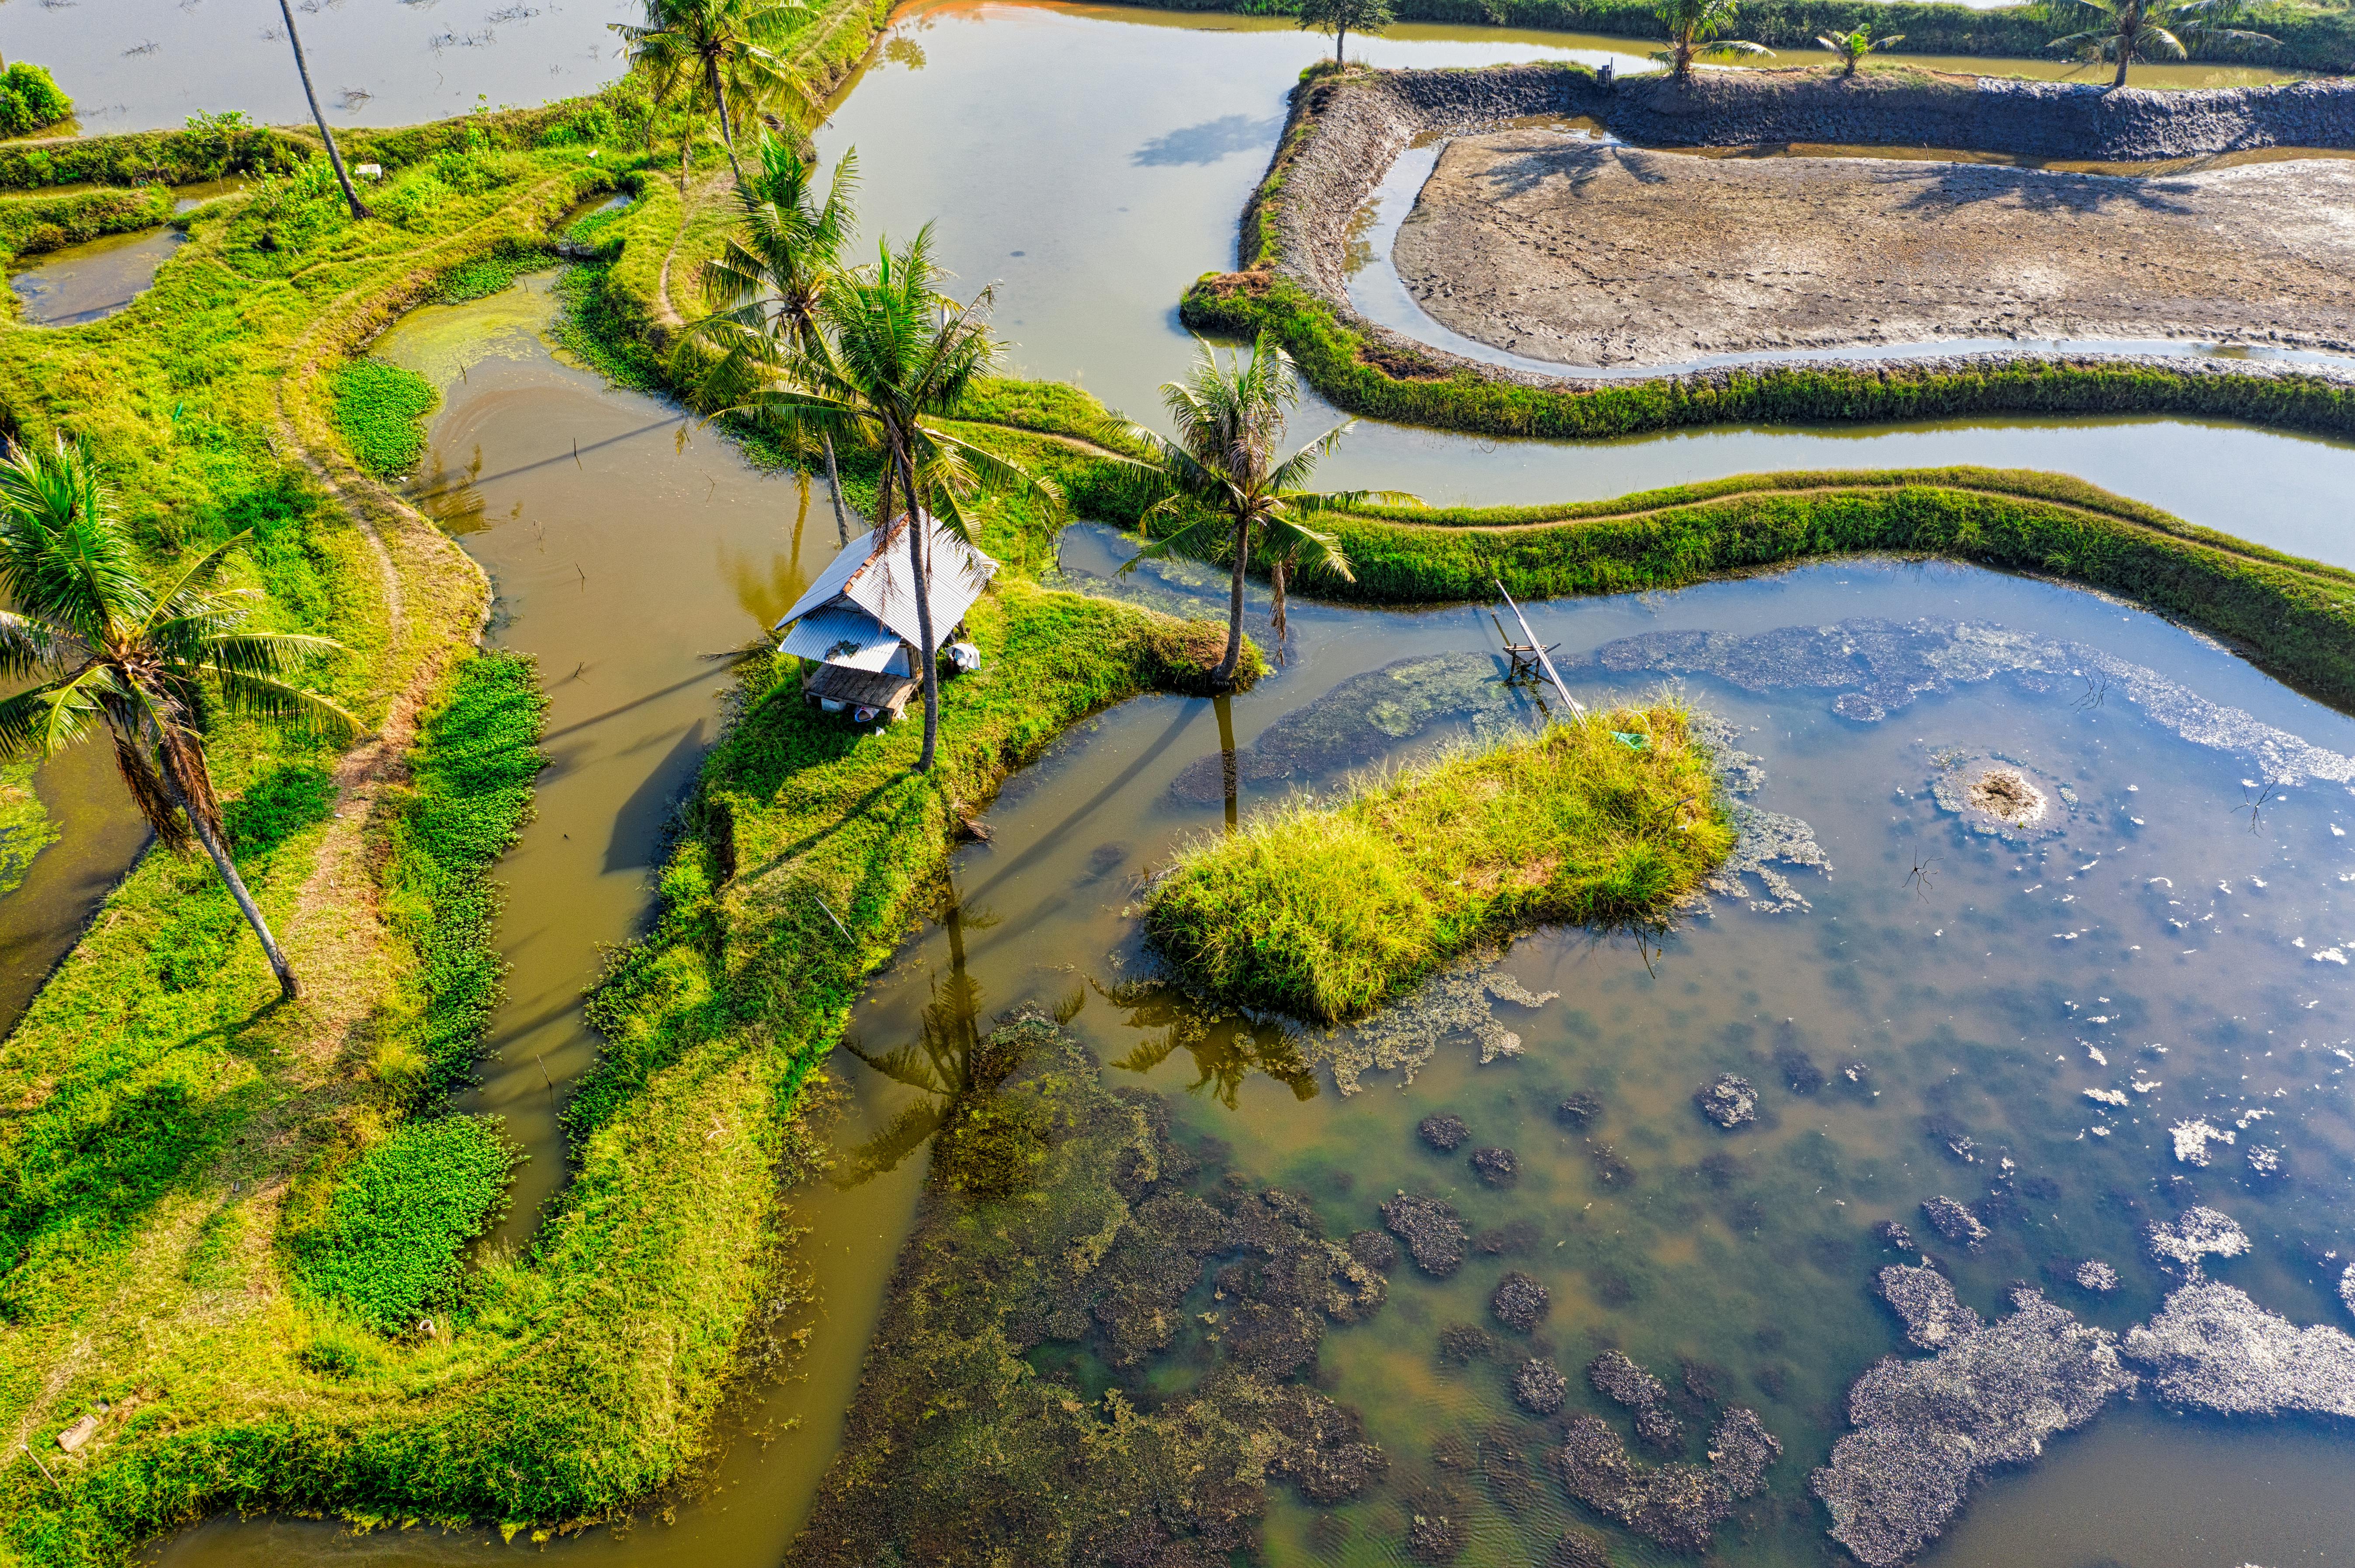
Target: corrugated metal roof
839,634
880,583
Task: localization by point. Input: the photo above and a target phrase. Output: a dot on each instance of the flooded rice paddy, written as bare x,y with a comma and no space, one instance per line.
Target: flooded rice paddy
147,65
1938,1005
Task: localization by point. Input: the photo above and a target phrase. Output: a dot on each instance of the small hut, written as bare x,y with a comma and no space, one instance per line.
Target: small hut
858,620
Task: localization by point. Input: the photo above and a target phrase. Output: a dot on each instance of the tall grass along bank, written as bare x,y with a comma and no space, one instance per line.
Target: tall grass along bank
1327,911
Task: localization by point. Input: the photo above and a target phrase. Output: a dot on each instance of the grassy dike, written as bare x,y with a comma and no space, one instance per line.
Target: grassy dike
2313,37
1327,911
1393,377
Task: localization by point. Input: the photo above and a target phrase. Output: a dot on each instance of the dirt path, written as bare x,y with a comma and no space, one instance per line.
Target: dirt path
1597,253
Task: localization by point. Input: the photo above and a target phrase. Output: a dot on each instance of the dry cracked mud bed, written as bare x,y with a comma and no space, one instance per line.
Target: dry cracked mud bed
1592,252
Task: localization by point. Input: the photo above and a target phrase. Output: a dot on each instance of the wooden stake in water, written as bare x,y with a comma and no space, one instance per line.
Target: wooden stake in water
1577,708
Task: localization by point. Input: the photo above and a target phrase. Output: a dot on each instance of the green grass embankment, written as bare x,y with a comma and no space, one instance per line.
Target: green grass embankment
1392,382
2312,38
1327,911
2295,617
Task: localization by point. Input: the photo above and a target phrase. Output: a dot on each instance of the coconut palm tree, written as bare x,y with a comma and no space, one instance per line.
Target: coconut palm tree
334,156
724,49
767,288
1219,474
114,654
1853,47
2128,31
893,358
1693,28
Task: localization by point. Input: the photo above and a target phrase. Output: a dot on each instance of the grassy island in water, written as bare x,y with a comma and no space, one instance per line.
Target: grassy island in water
1328,912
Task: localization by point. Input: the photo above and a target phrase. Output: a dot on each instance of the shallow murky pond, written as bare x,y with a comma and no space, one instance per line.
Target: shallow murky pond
93,281
1929,1025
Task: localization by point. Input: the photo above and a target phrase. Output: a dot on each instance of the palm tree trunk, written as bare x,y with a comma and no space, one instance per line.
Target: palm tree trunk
288,986
1225,674
720,97
834,488
302,68
1275,576
917,530
2124,56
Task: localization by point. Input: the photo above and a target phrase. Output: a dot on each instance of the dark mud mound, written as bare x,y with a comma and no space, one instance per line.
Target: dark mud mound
959,1452
1676,1506
1435,1237
1926,1428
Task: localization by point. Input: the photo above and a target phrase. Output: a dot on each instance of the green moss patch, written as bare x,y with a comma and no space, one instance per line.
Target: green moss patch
1328,912
380,409
392,1243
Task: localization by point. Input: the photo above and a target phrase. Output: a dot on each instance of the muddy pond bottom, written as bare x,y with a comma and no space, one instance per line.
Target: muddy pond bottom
1920,1002
1564,247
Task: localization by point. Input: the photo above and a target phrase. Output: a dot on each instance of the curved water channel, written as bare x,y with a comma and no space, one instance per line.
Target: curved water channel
1972,993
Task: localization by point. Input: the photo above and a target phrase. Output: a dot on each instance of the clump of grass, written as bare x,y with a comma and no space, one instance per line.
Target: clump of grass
380,409
1326,913
390,1246
29,100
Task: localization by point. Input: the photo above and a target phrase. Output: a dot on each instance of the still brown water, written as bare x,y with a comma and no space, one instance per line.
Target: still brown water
622,567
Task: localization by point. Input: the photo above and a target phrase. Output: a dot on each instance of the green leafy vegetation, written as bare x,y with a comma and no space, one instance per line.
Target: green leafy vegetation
25,827
391,1245
380,409
32,224
29,100
1327,911
469,798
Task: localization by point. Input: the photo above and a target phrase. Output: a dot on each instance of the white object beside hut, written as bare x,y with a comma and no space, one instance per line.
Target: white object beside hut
858,620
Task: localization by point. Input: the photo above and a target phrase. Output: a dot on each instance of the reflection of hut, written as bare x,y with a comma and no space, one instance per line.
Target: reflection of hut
858,620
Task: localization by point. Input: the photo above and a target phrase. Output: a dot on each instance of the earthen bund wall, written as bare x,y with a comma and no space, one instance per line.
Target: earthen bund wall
1346,131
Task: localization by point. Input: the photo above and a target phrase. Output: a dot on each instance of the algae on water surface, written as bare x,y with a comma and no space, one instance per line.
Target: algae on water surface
1018,1397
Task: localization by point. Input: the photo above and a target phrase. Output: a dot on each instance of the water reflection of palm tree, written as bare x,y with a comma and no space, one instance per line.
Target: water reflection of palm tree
1223,706
1226,1051
945,1062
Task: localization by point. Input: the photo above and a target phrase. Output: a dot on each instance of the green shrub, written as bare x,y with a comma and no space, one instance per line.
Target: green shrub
1326,913
414,201
391,1247
29,100
380,409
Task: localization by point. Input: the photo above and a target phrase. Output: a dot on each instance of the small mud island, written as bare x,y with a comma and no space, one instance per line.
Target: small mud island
1588,253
